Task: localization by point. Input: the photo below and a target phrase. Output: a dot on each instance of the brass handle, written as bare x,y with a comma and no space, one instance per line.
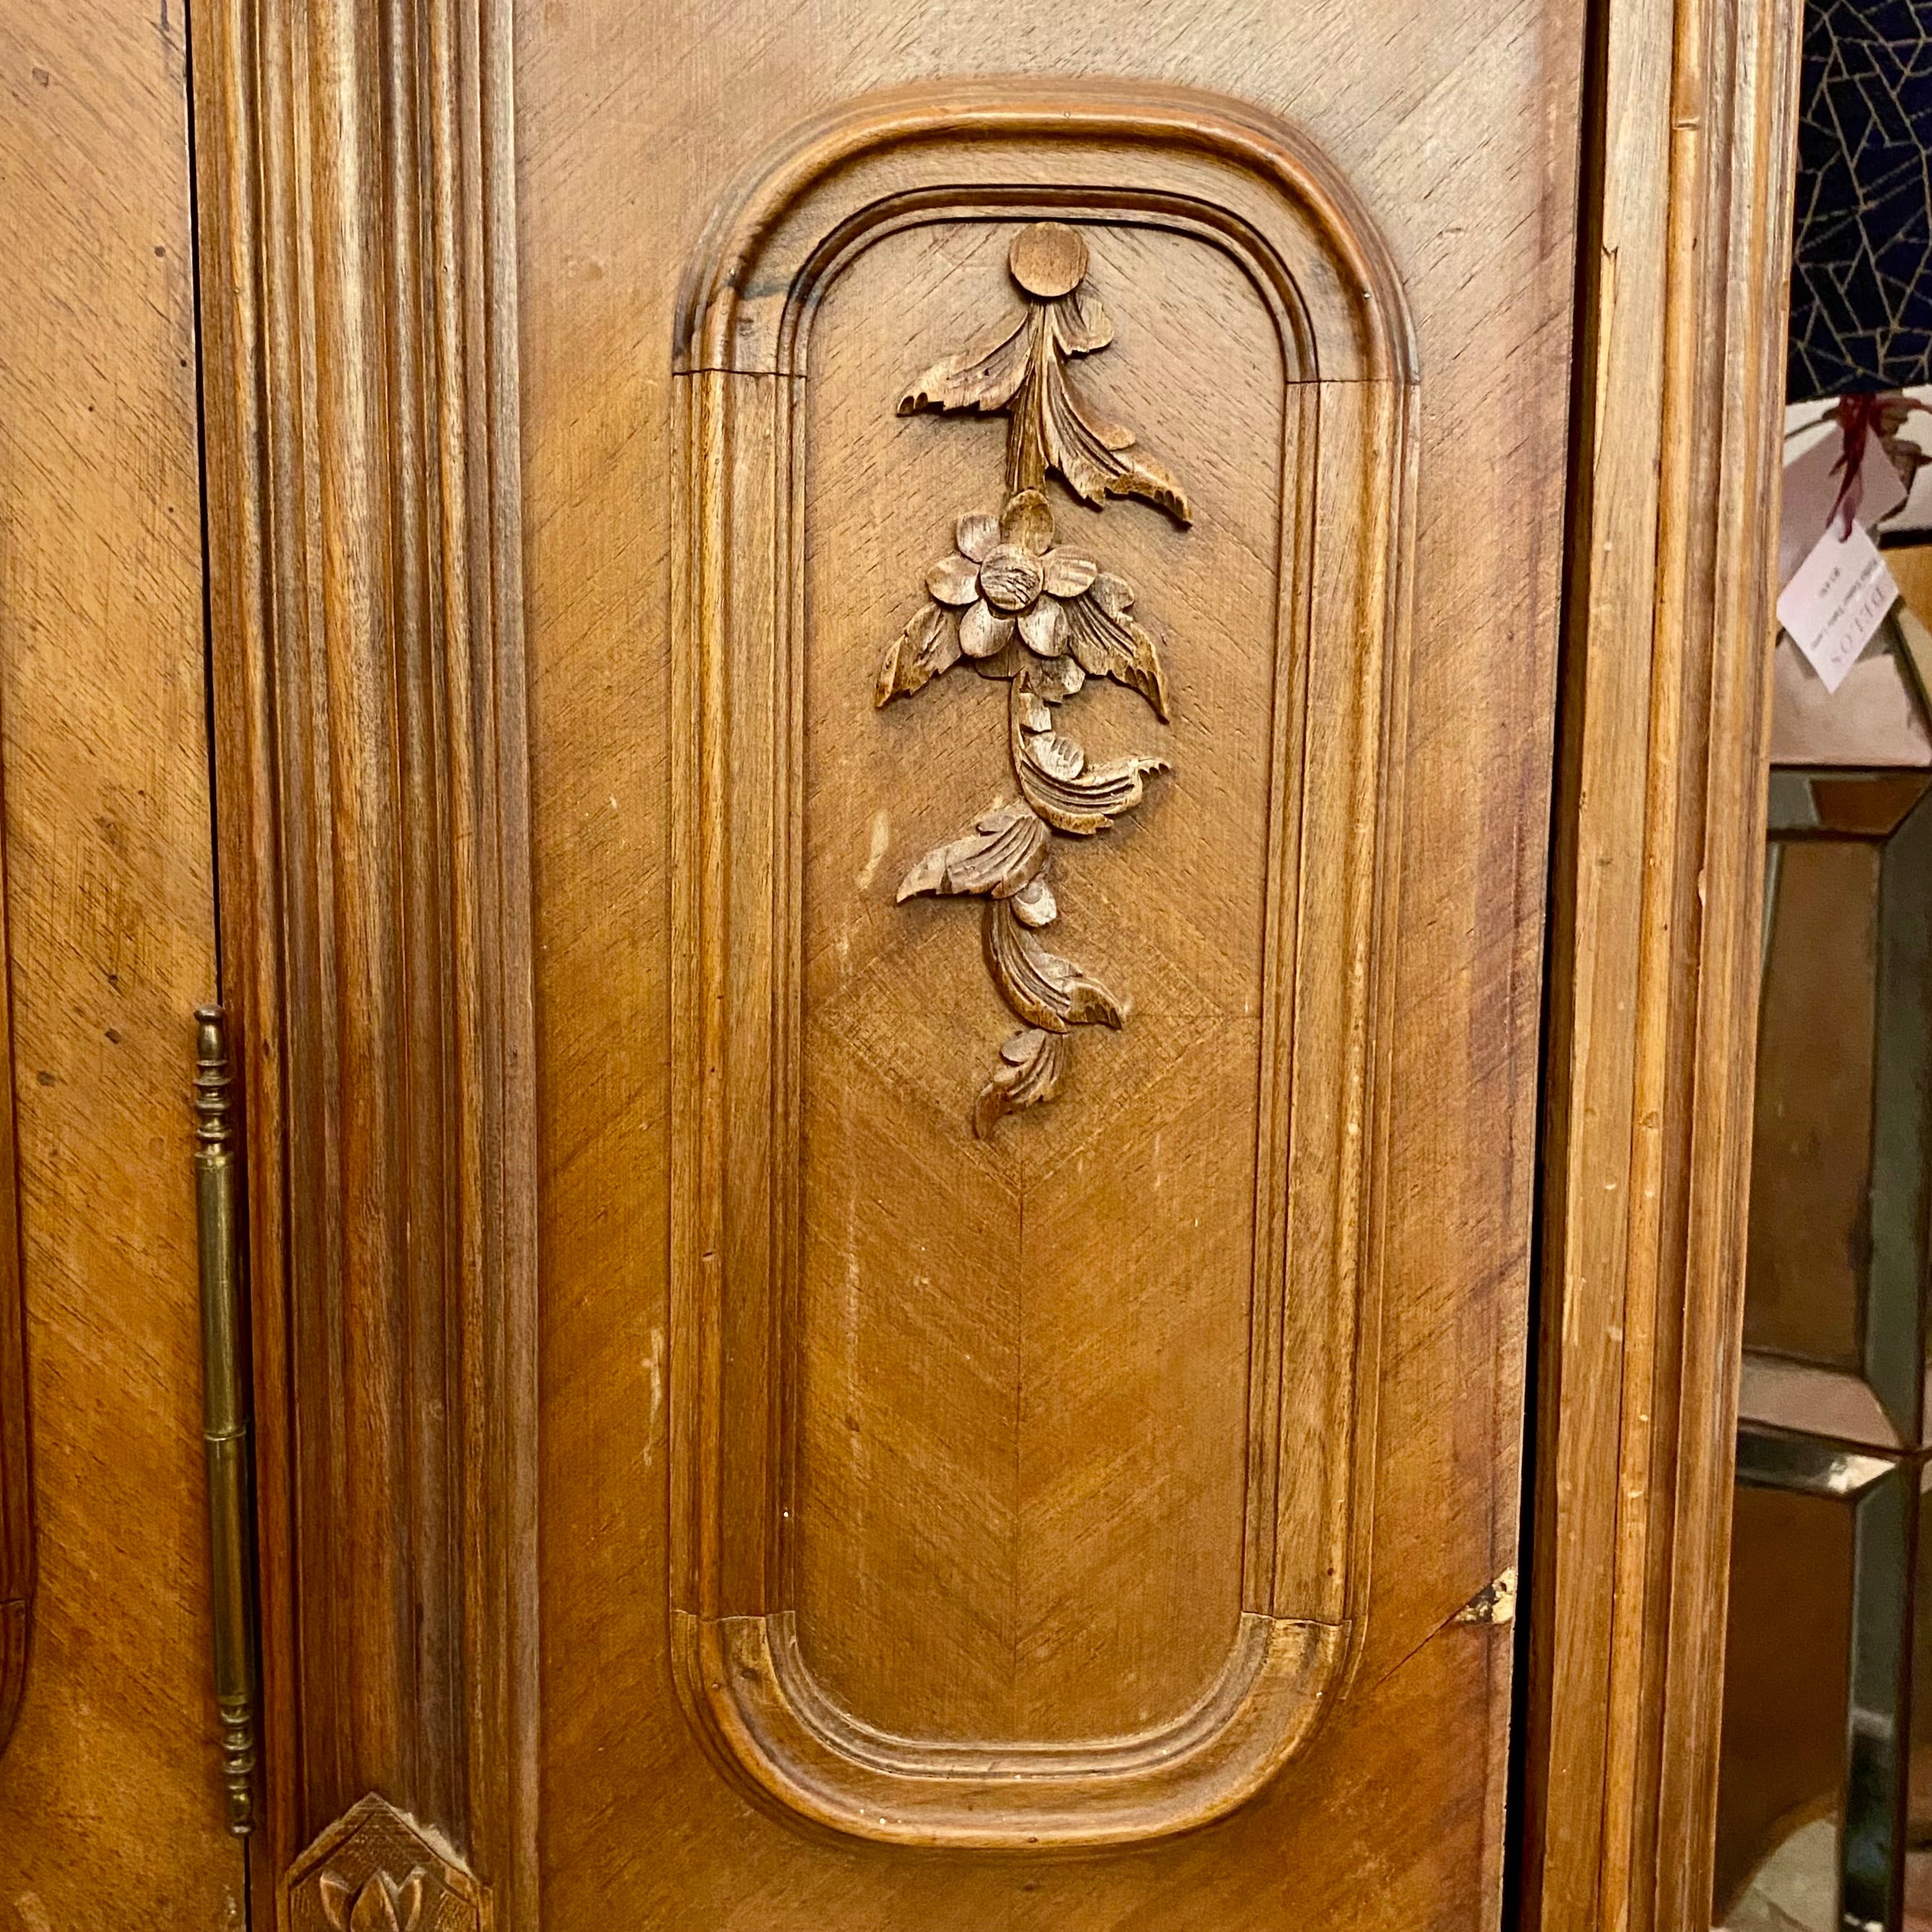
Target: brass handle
225,1428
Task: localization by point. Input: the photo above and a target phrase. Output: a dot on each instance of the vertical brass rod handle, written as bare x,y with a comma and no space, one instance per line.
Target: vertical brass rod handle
225,1426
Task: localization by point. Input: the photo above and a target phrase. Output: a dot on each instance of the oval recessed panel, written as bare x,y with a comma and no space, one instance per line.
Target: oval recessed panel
1022,1377
1039,524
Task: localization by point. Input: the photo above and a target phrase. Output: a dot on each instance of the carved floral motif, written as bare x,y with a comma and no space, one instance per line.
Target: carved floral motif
379,1904
1045,617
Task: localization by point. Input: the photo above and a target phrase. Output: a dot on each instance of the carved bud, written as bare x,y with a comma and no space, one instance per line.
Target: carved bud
381,1905
1048,260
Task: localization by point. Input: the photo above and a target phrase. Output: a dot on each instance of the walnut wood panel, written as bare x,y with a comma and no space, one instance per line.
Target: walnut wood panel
937,1638
1654,960
110,1790
360,315
1454,130
16,1495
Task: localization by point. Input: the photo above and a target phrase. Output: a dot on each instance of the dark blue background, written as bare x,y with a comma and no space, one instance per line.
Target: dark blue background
1861,280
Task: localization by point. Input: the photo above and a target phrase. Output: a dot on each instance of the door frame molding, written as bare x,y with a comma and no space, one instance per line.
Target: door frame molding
1656,883
357,247
359,302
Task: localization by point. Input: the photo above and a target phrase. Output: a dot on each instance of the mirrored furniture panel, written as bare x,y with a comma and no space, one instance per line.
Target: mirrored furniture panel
1825,1807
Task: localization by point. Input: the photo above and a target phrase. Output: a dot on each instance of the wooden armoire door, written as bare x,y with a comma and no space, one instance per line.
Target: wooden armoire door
1058,1214
886,682
111,1805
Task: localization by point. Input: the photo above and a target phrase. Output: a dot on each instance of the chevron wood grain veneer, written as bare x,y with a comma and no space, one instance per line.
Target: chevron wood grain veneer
825,1021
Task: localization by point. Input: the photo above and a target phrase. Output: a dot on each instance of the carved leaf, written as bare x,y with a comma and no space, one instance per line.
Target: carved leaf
1081,323
1001,854
929,645
1044,989
987,381
1090,453
1031,1066
1110,434
1089,802
1109,642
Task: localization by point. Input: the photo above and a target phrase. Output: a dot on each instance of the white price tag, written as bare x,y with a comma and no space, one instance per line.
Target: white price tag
1811,488
1837,597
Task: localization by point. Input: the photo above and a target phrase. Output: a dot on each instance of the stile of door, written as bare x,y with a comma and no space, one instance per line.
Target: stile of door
1042,530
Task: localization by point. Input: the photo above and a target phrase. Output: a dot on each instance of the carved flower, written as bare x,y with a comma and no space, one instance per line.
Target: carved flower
1007,577
1006,583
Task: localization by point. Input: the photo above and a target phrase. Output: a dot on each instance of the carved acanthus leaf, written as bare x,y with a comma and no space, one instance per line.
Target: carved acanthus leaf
1081,323
1109,642
929,645
1025,373
986,382
1001,854
1091,802
1030,1065
1045,990
1072,794
1090,453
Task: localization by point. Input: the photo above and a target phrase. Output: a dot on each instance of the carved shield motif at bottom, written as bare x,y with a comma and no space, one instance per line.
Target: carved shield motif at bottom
375,1870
